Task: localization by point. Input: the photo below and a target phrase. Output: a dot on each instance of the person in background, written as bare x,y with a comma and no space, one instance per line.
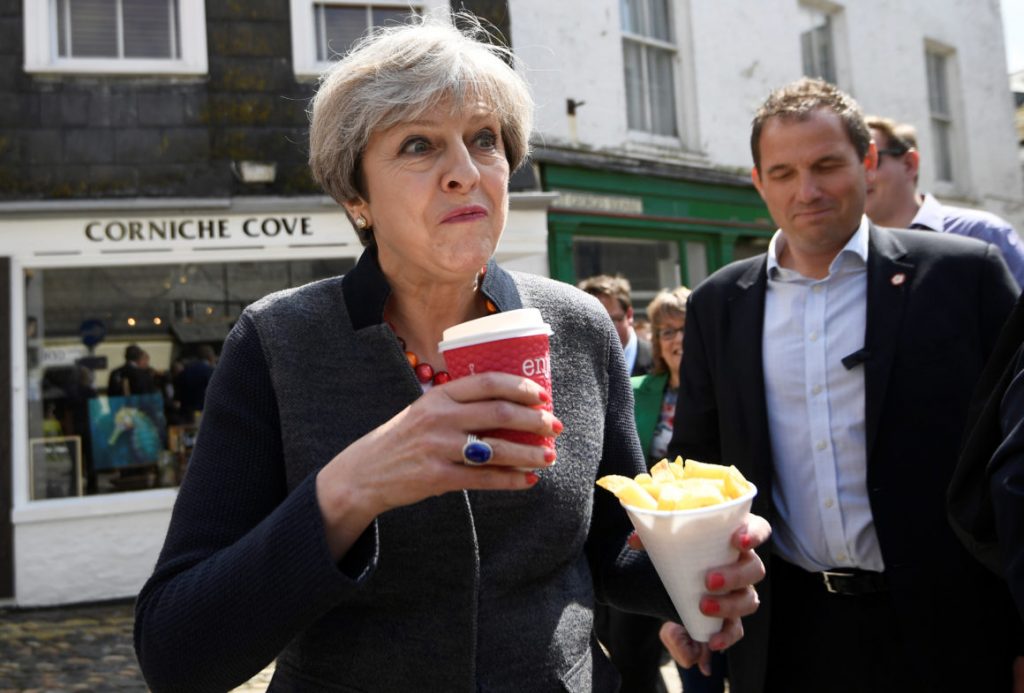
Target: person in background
345,511
642,327
835,371
893,200
655,396
135,377
190,384
614,293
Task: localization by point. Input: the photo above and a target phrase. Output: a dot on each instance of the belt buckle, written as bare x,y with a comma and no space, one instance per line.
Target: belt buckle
827,575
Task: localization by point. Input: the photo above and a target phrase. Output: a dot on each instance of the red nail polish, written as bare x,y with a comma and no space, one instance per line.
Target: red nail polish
544,397
557,426
745,541
716,581
550,456
531,478
710,606
716,644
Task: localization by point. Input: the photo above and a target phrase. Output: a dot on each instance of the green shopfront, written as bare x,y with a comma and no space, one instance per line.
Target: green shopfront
658,226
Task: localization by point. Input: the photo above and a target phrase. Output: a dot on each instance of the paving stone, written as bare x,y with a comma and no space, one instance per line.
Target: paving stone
77,648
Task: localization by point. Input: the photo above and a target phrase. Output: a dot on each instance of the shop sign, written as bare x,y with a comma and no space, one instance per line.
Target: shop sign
93,332
62,355
133,232
593,202
196,229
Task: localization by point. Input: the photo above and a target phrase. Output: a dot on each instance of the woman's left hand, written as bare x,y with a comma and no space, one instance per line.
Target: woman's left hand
731,596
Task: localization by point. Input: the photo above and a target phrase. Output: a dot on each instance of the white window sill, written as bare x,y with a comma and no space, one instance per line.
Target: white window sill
127,503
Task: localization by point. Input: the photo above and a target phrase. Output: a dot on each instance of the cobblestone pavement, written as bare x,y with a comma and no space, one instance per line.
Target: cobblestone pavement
76,648
89,648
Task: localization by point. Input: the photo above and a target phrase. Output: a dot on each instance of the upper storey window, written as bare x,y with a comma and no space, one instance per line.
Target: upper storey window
649,53
116,36
325,30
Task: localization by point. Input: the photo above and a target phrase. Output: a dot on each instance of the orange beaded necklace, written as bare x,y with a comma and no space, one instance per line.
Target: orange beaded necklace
425,373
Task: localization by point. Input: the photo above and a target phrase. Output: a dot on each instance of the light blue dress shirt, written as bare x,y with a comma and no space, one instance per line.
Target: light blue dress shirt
816,411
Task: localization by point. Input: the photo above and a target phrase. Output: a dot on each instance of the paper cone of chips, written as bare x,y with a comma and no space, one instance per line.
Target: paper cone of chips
685,515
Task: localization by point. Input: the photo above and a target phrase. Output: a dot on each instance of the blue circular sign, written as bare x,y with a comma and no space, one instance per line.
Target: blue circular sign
93,332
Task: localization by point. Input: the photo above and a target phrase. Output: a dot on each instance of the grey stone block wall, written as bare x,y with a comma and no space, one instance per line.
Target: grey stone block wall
91,136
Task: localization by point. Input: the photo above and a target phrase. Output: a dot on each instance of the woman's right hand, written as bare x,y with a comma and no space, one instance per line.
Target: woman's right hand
418,453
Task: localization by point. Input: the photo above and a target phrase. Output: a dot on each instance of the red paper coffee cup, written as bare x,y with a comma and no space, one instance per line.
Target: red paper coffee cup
515,342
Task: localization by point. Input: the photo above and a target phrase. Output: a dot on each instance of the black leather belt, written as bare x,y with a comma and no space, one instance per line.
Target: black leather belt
850,582
853,582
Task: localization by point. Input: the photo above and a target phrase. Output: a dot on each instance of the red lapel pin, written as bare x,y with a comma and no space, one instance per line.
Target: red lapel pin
898,278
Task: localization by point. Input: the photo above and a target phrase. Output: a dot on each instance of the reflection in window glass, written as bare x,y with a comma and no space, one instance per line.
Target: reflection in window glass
117,29
648,265
816,43
338,27
749,246
941,115
648,56
108,350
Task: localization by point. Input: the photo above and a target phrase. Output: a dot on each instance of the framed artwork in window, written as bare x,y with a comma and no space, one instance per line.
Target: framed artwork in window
55,467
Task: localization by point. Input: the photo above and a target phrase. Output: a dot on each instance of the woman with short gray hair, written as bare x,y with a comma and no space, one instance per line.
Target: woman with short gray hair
330,517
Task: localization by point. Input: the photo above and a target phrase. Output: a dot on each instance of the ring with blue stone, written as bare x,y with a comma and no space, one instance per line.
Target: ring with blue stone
476,452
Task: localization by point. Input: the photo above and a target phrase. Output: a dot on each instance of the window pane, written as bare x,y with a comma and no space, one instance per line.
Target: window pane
147,29
943,150
660,26
384,17
636,107
62,33
816,46
696,262
630,11
93,29
342,27
938,97
663,99
648,265
175,308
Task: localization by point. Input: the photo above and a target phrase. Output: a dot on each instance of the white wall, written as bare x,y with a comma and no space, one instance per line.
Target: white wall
734,52
78,550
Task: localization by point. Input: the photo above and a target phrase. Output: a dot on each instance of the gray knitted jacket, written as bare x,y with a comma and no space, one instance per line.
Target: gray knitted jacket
468,591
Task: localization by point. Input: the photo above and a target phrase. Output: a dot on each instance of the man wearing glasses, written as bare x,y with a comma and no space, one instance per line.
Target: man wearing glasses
893,199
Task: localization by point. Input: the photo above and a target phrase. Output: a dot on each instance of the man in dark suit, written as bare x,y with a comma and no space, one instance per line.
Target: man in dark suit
835,371
631,639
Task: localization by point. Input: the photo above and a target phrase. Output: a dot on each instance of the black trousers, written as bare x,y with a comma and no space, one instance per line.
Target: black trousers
822,642
633,646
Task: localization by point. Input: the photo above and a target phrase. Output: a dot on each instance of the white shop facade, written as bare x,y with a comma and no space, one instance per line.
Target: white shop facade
85,499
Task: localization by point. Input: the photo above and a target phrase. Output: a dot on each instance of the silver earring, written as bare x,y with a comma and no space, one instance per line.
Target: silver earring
360,222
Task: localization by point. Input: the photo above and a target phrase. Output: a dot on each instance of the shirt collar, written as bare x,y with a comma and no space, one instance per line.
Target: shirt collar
929,215
857,247
366,289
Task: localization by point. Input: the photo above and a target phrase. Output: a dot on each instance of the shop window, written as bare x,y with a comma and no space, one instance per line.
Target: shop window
649,55
324,31
749,246
97,424
116,36
649,265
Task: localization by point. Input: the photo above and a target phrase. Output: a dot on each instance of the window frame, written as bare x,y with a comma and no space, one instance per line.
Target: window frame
303,29
952,119
40,34
837,29
672,49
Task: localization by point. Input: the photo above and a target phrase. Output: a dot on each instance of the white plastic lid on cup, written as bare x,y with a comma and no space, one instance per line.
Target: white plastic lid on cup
524,322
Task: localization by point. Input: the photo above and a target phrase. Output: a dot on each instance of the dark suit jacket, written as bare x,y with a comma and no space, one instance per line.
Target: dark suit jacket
644,358
935,307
